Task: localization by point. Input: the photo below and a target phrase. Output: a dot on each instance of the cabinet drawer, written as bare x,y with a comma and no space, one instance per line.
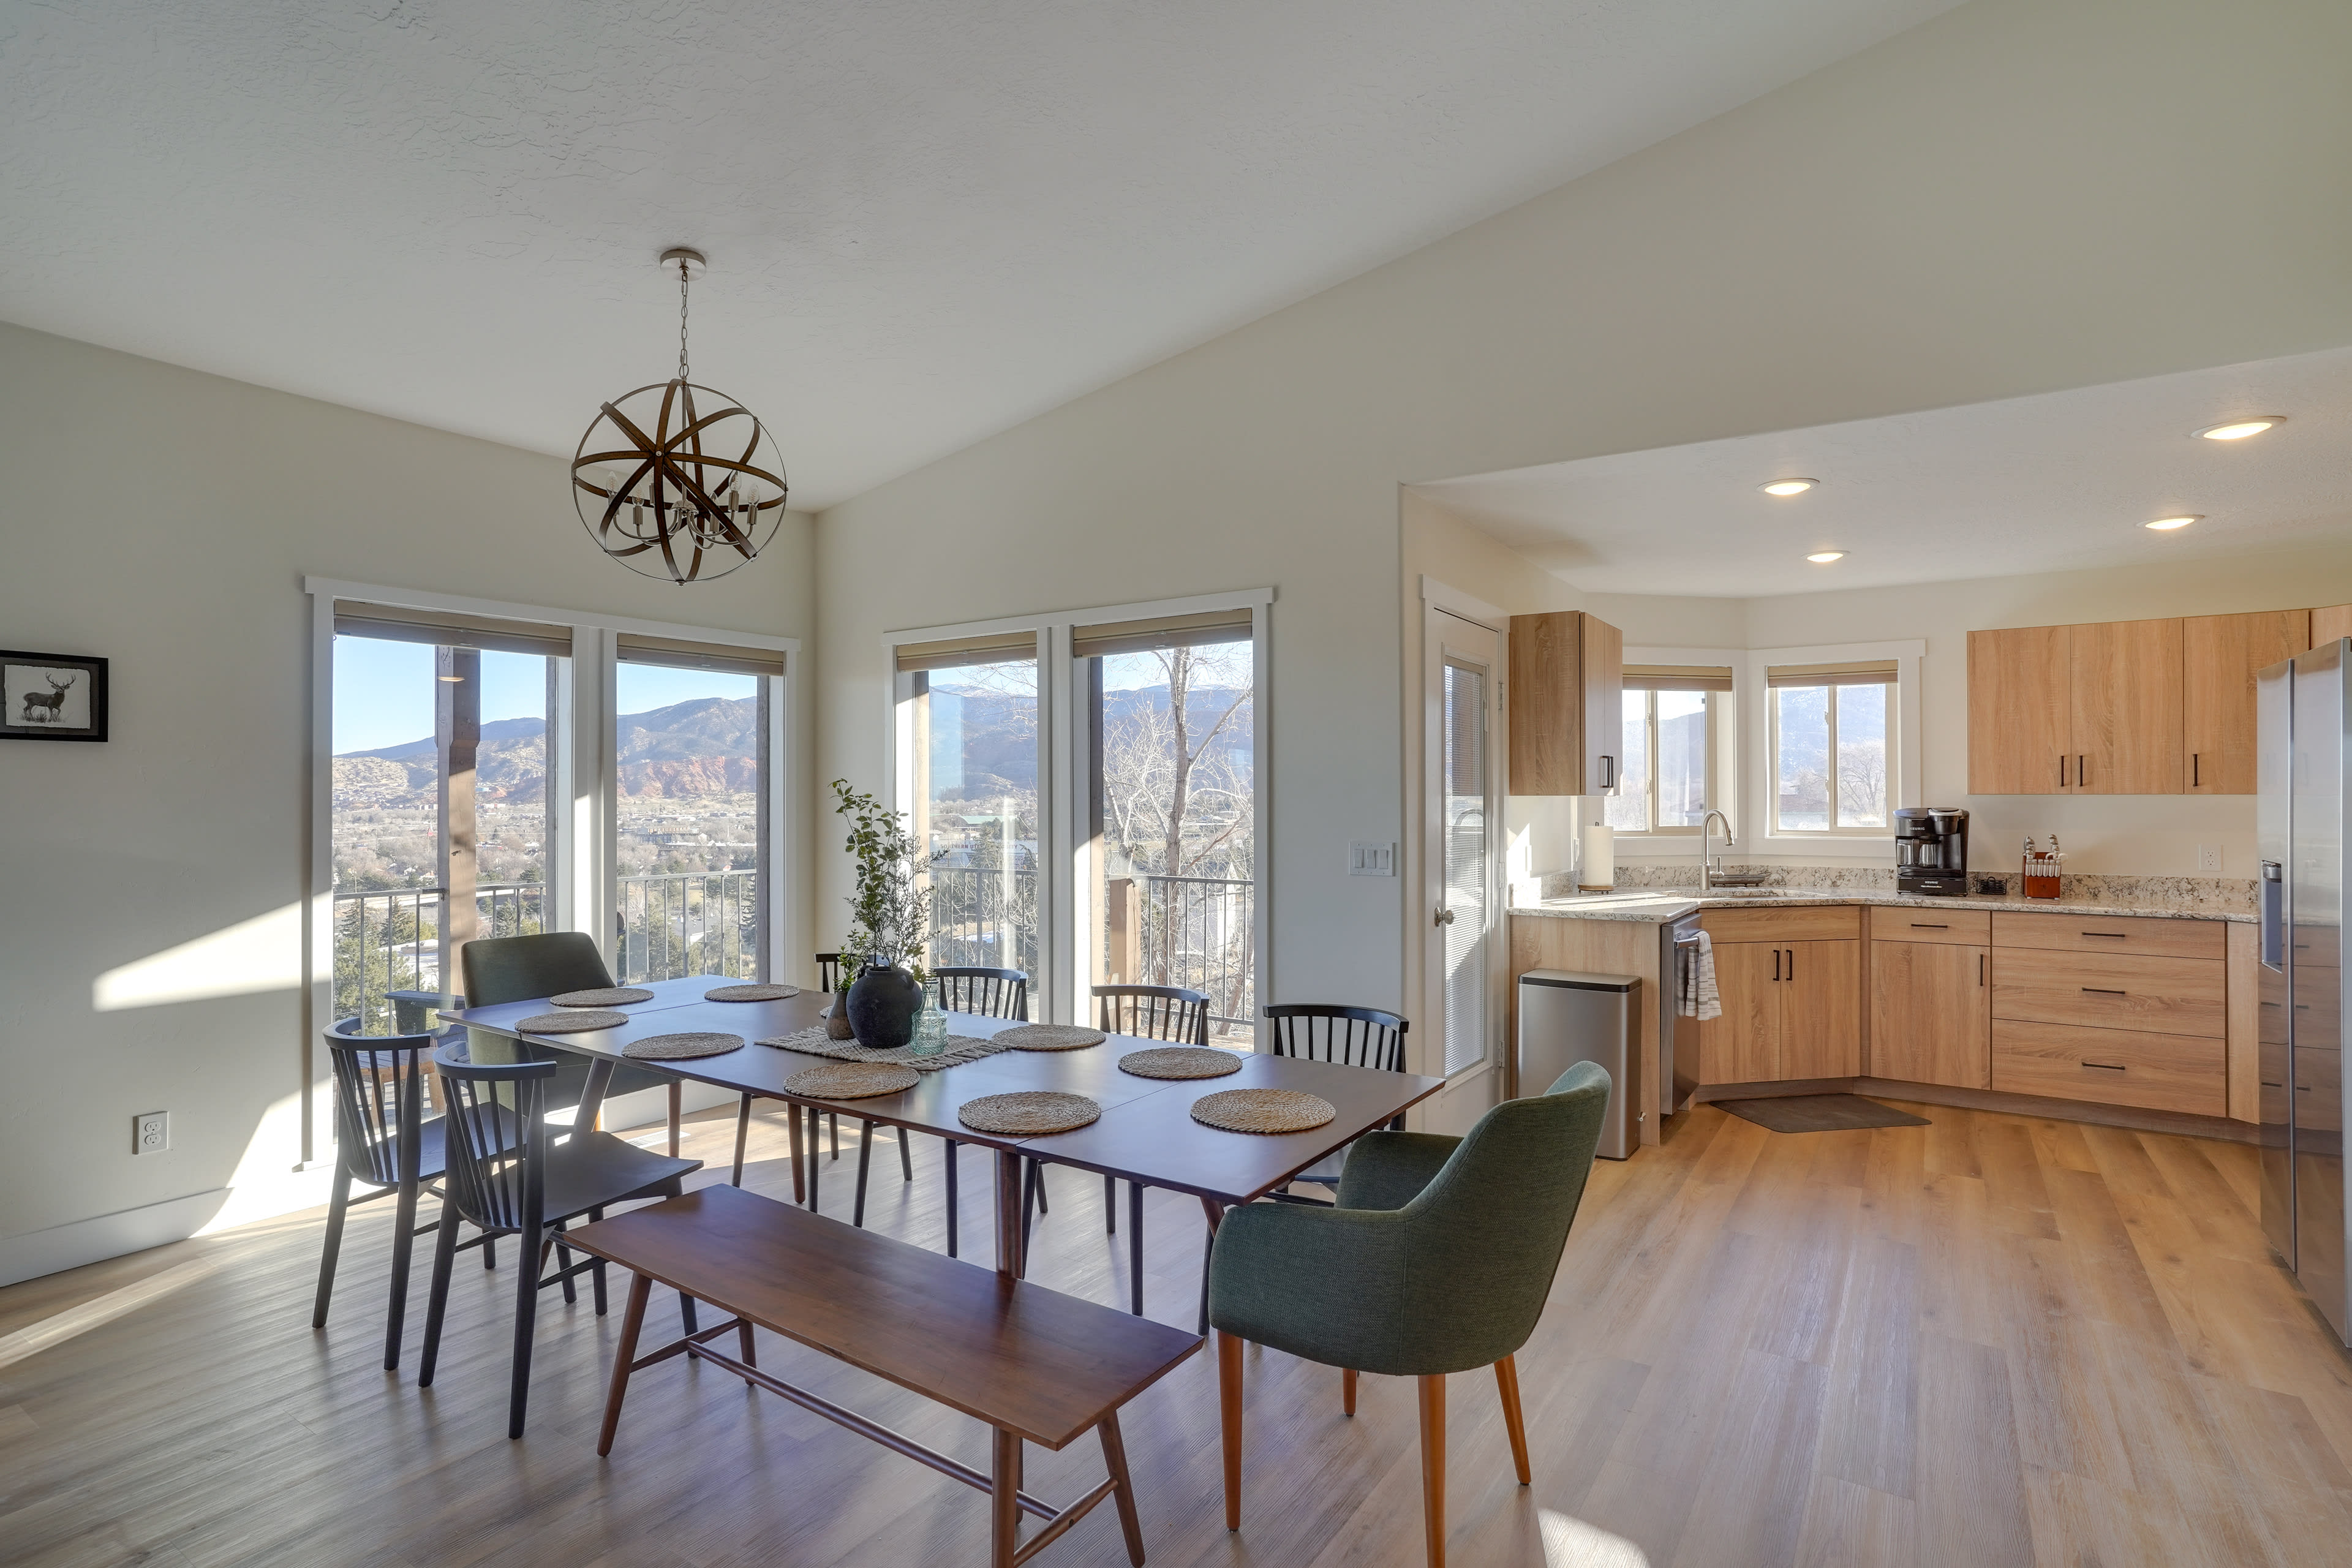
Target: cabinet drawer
2097,933
2163,995
1819,922
2119,1067
1964,928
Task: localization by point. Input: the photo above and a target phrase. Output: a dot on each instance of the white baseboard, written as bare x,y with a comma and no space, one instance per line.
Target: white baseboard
93,1240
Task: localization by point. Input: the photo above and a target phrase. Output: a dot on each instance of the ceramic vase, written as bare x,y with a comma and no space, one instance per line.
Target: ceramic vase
882,1003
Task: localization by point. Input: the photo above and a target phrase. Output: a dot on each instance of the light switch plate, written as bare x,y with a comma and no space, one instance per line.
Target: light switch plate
2209,856
151,1133
1366,859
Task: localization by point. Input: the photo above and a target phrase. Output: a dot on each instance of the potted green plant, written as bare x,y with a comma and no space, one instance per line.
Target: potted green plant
889,922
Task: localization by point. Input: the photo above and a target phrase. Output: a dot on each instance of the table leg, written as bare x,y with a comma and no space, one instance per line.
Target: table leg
1008,1212
591,1094
799,1185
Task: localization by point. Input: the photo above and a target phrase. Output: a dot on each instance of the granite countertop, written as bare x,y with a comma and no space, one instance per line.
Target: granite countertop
1655,906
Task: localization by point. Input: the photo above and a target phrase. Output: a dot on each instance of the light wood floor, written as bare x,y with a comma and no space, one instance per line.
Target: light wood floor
1991,1341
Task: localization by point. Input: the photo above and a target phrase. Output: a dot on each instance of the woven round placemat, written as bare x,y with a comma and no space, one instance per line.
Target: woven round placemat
1029,1113
1263,1110
751,993
1049,1037
680,1047
1180,1061
852,1081
570,1023
602,996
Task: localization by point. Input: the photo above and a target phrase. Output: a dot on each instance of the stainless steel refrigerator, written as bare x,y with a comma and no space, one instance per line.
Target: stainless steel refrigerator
2303,813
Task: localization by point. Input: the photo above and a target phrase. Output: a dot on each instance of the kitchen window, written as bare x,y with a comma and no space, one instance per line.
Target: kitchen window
1834,746
1669,747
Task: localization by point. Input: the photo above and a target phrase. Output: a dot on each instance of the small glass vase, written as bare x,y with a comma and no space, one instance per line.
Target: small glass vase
930,1030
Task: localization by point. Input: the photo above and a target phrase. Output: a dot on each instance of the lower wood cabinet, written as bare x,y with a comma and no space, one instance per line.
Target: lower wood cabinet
2118,1067
1930,1011
1792,1009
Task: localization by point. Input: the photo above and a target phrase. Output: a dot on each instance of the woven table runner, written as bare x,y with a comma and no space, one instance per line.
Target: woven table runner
751,993
1049,1037
570,1023
962,1048
1029,1113
1263,1110
601,996
852,1081
1181,1062
682,1046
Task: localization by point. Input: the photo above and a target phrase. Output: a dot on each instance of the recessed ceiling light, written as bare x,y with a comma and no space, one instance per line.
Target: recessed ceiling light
1788,487
2239,429
1823,557
2167,524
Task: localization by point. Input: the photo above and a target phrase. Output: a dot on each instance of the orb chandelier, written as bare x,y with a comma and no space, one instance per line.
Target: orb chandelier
677,480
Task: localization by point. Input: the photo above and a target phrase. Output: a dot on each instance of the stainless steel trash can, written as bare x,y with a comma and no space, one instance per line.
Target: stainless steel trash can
1566,1017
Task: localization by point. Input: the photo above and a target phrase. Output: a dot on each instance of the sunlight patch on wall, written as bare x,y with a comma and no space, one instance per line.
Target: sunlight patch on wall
1569,1543
268,1180
264,954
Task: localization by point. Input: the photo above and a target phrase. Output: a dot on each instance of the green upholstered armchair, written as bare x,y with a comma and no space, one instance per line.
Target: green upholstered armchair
547,963
1436,1260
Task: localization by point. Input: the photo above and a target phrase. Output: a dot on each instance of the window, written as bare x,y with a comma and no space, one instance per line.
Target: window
969,768
1669,748
1832,747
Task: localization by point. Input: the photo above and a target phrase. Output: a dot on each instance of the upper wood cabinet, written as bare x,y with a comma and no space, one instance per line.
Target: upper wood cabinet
2327,625
2020,741
2126,708
1564,682
2220,657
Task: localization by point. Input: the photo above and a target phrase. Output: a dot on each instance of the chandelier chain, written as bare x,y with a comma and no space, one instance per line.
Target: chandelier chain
684,279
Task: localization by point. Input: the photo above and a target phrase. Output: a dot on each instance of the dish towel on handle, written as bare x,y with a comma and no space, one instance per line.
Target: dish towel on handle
1695,992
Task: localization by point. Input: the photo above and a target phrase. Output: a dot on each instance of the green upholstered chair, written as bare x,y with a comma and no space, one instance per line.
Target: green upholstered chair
1436,1260
523,968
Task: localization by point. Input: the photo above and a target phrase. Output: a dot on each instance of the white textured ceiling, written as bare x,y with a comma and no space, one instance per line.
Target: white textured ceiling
2058,482
926,221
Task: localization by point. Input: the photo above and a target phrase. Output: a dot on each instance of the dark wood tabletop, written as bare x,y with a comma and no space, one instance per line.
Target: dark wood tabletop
1145,1133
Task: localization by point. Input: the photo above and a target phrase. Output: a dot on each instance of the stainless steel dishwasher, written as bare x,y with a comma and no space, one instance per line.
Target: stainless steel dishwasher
1678,1036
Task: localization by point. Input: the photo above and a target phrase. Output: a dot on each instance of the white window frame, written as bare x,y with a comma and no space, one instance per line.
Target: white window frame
1723,710
1866,844
580,863
1060,988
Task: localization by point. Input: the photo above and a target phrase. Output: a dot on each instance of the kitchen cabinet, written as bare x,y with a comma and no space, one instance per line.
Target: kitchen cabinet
2020,740
1565,685
1931,1009
2220,657
2330,623
2124,707
2125,1012
1791,998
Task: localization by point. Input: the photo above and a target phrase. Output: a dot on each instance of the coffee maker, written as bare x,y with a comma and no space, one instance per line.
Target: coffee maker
1931,850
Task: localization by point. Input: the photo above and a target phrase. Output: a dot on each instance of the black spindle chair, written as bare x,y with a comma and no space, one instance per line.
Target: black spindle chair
384,1140
509,1174
984,993
828,970
1329,1032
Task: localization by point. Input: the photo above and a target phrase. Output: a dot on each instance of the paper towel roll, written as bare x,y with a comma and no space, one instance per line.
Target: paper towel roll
1598,873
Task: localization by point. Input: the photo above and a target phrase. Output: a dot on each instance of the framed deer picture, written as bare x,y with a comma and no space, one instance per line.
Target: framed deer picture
52,697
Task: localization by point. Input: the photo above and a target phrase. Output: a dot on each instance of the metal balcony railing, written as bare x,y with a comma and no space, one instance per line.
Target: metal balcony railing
688,922
390,939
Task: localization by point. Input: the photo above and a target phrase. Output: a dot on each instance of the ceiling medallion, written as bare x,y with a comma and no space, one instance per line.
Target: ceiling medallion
677,480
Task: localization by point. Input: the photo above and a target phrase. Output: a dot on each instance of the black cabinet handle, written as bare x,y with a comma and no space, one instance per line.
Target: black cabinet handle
2107,1067
2102,991
1776,964
1922,925
2078,769
1792,964
2110,935
2061,771
2194,758
1981,969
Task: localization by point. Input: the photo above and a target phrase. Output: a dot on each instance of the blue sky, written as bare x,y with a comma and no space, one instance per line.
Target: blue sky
384,690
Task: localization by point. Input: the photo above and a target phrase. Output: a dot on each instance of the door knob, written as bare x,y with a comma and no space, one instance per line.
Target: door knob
1444,916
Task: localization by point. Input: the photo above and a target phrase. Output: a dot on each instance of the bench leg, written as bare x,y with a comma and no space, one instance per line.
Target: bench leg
742,1135
1229,1410
1507,1379
1004,1500
633,1318
1122,1490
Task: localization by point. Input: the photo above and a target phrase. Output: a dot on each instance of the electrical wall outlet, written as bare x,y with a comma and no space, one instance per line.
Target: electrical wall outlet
1366,859
151,1133
2209,856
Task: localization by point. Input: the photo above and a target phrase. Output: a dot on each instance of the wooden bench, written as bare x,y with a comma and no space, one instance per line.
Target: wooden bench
1037,1365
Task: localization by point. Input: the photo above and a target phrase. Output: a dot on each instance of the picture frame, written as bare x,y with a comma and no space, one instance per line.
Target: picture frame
51,697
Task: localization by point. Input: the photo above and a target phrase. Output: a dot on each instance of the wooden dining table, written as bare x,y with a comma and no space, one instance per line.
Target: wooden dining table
1145,1134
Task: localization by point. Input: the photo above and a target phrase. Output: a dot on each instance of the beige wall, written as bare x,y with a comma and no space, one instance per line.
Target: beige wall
2125,835
166,519
2007,199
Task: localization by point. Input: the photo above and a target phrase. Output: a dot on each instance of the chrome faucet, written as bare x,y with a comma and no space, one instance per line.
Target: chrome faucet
1706,828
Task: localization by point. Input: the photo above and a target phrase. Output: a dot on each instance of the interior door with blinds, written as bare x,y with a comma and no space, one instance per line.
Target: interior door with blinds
1463,829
